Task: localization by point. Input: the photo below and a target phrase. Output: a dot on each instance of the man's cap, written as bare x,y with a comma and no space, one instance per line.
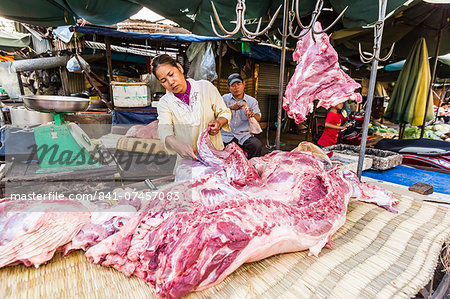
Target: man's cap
233,78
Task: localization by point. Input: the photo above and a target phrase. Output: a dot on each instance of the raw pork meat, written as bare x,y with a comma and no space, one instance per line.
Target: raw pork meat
282,202
370,192
32,231
104,222
317,77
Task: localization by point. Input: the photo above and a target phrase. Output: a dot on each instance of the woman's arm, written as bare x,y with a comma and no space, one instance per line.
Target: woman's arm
183,149
331,126
220,108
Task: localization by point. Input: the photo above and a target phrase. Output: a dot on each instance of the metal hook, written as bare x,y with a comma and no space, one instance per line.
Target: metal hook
240,22
378,28
314,17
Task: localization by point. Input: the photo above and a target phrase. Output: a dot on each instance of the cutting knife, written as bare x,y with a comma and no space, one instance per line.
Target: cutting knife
199,159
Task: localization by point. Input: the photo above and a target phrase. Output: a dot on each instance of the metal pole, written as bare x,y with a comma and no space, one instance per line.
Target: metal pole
110,70
19,78
282,65
373,78
219,75
433,76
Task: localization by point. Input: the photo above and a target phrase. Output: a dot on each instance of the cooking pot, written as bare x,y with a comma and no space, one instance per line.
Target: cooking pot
22,117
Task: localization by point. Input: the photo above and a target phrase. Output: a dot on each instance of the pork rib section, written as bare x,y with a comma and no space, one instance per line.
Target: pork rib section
220,222
317,77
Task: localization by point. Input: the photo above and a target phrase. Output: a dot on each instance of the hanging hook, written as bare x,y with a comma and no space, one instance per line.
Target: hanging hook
378,28
240,22
294,14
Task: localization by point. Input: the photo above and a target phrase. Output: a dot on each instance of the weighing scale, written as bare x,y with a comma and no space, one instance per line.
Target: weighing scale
61,145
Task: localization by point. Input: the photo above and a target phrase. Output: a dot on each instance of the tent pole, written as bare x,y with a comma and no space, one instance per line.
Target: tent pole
219,75
282,66
109,66
433,76
373,78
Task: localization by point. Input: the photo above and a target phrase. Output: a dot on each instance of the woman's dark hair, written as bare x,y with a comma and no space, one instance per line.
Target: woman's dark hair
163,59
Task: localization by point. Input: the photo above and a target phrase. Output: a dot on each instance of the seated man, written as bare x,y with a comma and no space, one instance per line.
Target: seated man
240,132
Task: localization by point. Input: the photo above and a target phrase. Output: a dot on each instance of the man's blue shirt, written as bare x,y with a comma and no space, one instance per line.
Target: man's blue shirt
239,122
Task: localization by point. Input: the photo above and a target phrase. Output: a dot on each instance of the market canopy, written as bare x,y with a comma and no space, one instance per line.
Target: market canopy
190,14
52,13
404,26
13,40
406,20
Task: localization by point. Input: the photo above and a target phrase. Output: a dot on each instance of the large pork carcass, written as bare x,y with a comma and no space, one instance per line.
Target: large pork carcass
244,212
317,76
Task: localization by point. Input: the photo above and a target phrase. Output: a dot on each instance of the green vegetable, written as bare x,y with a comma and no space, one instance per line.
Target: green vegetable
412,133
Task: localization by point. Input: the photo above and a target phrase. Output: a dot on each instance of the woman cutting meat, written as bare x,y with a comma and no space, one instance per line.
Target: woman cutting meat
187,109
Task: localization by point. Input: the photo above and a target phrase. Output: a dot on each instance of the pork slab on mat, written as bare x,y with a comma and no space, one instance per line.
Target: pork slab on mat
32,231
244,212
317,76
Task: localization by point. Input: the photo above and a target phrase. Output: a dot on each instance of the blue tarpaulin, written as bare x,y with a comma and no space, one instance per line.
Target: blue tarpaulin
138,35
397,66
408,176
267,53
255,51
134,116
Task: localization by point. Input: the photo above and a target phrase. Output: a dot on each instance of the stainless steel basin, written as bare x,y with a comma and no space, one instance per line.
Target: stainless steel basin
52,104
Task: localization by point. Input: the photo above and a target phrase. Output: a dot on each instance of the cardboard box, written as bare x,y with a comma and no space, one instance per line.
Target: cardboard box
129,95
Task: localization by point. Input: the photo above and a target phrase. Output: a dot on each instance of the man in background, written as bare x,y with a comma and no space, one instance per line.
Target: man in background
240,132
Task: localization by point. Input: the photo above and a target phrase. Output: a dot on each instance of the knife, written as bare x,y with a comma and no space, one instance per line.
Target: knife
202,161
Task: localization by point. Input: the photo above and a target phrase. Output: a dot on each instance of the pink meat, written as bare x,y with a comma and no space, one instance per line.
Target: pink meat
149,131
103,223
223,220
31,232
371,193
317,76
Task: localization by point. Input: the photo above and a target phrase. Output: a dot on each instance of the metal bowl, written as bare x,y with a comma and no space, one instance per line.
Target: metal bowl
55,104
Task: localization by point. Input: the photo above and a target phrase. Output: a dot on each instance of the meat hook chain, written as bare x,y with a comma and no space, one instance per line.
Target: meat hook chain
377,34
294,14
240,22
374,59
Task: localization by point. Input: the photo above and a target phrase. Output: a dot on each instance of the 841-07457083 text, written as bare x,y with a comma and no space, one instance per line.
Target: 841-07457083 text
99,195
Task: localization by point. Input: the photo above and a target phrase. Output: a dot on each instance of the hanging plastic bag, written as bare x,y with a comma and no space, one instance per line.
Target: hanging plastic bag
73,65
203,64
253,124
63,33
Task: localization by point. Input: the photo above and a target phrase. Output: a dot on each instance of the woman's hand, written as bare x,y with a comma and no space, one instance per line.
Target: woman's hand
346,126
214,127
183,149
